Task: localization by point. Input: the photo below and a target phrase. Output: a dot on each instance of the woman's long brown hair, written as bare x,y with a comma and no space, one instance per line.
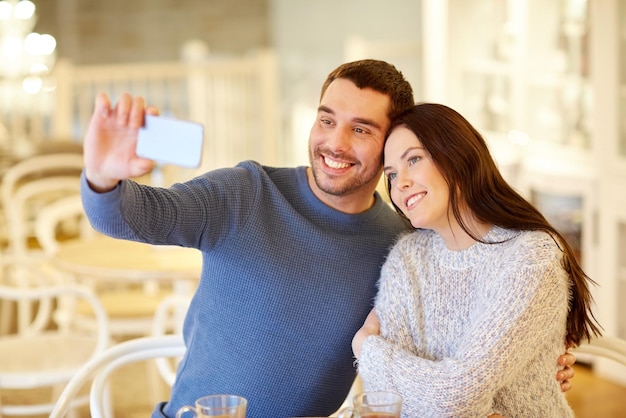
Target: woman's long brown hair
462,156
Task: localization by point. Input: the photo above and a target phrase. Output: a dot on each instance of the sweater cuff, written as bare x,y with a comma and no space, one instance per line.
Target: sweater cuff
375,362
86,189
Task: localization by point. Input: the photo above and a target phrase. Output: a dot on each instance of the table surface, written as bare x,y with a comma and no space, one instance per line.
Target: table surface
112,258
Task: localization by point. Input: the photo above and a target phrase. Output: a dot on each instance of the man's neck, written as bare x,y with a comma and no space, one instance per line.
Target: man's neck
352,203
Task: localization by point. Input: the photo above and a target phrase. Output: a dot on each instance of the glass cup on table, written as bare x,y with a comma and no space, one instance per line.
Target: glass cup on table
216,406
373,405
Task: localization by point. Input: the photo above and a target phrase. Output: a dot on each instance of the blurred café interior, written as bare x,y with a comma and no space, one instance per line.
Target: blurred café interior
543,80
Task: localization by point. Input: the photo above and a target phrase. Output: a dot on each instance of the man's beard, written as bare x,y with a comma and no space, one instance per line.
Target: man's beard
340,186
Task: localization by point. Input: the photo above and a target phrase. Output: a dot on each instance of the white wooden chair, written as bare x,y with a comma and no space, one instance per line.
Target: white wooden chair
61,172
100,369
606,357
49,351
62,219
613,348
25,188
165,346
130,309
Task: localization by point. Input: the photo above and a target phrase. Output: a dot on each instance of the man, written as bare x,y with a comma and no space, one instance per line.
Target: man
291,256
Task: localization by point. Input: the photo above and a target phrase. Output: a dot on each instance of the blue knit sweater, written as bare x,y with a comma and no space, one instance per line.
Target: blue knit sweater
286,282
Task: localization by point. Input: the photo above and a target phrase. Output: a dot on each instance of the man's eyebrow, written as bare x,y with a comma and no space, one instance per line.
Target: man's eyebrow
325,109
369,122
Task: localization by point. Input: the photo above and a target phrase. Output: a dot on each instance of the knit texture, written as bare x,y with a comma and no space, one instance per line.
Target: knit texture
473,332
286,282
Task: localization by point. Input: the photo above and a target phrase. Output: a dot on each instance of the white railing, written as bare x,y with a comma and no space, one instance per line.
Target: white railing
235,98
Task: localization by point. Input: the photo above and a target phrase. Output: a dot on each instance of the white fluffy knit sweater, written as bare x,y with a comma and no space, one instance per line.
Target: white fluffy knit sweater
473,332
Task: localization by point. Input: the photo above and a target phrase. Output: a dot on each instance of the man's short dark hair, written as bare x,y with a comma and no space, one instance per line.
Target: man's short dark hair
379,76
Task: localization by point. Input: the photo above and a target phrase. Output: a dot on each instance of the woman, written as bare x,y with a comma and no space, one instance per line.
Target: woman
474,306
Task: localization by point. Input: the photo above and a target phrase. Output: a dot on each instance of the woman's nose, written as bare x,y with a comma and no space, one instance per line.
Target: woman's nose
402,180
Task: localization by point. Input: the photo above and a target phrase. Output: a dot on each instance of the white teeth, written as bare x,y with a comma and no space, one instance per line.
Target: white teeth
335,164
414,199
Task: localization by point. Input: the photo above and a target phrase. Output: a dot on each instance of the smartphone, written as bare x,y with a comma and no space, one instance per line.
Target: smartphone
171,141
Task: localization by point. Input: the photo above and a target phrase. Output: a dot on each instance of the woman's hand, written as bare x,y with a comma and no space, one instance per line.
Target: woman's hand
565,375
371,326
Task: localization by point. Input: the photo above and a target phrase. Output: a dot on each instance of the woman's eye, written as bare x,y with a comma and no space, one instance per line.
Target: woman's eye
413,160
391,176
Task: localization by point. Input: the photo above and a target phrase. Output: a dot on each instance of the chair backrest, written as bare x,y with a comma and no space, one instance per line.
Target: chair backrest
48,298
28,201
51,220
613,348
101,367
51,323
26,188
29,185
36,167
31,279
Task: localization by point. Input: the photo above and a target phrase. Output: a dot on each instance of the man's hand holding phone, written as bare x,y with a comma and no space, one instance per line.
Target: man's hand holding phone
110,145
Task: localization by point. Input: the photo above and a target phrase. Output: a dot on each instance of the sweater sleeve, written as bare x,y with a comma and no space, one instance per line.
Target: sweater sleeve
199,213
393,300
103,211
525,304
